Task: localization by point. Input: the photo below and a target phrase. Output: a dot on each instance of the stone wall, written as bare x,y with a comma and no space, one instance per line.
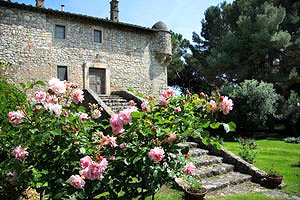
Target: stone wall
129,54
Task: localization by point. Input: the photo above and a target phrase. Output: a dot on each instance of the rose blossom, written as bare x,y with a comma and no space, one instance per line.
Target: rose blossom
96,114
15,117
226,105
211,106
94,170
85,162
53,108
83,116
145,106
162,101
116,123
177,109
168,93
51,99
40,96
125,115
131,103
20,152
77,181
77,96
189,168
171,138
122,146
156,154
57,86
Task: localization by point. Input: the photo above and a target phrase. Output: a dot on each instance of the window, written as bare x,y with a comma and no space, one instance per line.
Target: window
60,32
97,36
62,73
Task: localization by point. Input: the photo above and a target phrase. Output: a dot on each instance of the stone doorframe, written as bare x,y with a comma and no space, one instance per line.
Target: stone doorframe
96,65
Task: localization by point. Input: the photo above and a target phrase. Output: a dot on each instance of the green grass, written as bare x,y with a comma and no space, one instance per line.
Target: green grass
282,154
255,196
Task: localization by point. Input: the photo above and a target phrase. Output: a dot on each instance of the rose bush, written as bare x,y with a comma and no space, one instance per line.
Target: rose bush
43,138
142,146
54,146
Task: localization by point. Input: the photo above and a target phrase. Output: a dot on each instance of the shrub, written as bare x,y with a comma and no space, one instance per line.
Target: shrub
53,146
295,140
254,103
247,149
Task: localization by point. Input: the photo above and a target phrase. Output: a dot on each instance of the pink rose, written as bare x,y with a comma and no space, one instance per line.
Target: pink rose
96,114
40,96
20,152
57,86
123,146
131,103
163,101
125,115
51,99
177,109
77,181
116,123
211,106
145,106
85,162
156,154
226,105
15,117
168,93
53,108
171,138
189,168
83,116
94,170
77,96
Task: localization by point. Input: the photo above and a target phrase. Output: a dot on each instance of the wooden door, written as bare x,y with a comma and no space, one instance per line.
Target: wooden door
97,80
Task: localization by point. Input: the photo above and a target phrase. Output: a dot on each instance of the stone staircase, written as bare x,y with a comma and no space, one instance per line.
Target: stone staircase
115,102
213,172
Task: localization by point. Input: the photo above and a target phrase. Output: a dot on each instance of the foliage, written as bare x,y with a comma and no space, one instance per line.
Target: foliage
272,172
255,102
279,152
295,140
53,146
148,154
42,139
247,149
249,39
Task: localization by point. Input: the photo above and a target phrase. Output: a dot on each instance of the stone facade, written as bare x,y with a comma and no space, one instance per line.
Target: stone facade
132,56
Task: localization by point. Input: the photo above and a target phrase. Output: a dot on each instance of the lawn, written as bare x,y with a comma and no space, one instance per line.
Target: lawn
282,154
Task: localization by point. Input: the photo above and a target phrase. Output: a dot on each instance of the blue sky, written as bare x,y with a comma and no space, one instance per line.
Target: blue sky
181,16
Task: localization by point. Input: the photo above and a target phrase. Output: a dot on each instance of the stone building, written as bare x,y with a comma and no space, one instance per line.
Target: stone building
104,55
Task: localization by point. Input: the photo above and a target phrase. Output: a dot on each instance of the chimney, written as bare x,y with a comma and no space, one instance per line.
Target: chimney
40,3
114,10
62,8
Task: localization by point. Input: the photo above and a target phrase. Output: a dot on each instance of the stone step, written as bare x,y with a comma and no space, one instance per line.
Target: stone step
116,104
188,144
205,160
114,100
193,152
224,180
213,170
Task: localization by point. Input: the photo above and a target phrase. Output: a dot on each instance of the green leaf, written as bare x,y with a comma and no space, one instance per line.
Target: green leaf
155,174
42,83
55,132
215,125
185,150
232,126
82,150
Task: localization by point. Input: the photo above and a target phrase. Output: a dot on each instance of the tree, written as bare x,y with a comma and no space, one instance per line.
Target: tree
249,39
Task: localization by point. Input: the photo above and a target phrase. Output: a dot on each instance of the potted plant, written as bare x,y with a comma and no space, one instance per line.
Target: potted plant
193,189
274,178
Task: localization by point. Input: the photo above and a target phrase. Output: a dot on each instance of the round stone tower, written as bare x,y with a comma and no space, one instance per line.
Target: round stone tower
162,43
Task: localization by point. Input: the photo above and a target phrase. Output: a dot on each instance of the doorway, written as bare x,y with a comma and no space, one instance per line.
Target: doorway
97,81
